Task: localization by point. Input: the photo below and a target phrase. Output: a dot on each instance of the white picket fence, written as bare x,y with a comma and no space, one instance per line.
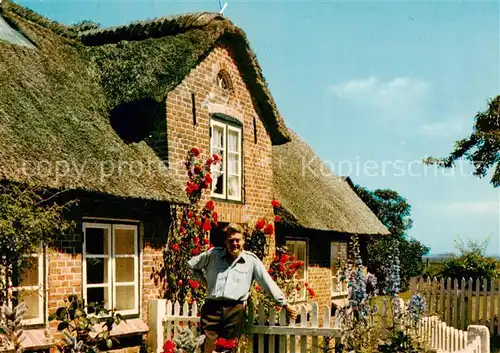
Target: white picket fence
291,336
438,336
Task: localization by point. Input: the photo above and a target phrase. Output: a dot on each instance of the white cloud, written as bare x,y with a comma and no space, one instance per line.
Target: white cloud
400,96
473,208
449,127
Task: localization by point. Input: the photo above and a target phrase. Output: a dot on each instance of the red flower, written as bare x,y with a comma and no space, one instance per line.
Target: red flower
284,258
281,267
175,247
206,226
182,229
311,292
196,251
198,222
306,284
223,343
215,217
197,168
269,229
195,151
300,263
169,347
292,258
210,205
206,240
260,224
193,284
258,288
208,179
179,282
216,157
190,214
277,218
209,161
275,203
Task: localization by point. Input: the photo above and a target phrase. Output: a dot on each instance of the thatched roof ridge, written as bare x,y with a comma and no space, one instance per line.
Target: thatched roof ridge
147,59
55,126
313,197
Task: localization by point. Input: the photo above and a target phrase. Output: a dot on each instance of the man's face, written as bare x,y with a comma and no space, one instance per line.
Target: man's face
234,244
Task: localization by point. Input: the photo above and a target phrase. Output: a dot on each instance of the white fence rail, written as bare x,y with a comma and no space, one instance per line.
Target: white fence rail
438,336
291,337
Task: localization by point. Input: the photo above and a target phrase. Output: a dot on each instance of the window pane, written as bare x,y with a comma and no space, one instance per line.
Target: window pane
217,137
96,241
232,141
233,187
125,298
31,298
233,164
29,277
291,247
124,241
97,270
98,296
125,269
301,251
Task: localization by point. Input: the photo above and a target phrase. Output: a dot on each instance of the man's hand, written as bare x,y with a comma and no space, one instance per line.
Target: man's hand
291,311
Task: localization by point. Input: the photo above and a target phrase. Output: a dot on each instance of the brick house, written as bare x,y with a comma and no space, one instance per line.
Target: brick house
107,116
319,212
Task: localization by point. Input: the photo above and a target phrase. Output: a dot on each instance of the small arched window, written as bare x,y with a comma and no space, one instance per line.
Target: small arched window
223,80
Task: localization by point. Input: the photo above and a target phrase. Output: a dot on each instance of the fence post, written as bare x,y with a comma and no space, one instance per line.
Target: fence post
474,331
157,309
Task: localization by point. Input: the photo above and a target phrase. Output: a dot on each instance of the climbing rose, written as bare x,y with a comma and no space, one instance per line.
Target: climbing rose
207,226
210,205
216,157
275,203
195,151
260,224
175,247
269,229
196,251
193,284
277,219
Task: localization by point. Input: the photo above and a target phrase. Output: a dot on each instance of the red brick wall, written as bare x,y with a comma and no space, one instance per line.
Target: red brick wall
183,134
64,273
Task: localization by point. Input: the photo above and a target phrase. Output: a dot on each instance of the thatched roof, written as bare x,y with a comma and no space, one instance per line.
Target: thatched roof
313,197
55,128
71,102
147,59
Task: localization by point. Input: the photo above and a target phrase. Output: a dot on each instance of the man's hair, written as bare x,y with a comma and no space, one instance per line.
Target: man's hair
233,228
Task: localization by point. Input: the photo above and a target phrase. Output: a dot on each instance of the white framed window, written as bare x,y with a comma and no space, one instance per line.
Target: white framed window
111,266
338,251
226,142
298,248
28,287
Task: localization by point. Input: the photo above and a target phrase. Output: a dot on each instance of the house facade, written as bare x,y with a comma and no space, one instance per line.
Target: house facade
107,116
75,119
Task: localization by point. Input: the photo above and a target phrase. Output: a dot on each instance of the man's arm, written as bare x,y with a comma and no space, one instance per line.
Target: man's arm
265,280
198,263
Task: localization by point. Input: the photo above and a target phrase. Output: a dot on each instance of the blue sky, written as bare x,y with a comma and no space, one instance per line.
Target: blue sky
374,87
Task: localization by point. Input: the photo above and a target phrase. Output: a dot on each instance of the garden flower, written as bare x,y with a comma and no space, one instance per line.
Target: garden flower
195,151
216,157
175,247
210,204
169,347
193,284
260,224
275,203
277,218
196,251
269,229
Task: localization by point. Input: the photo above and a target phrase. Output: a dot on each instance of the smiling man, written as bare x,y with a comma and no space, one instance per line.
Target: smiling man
228,274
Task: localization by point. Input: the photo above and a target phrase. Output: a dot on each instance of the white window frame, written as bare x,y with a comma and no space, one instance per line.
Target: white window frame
302,297
112,284
339,287
226,128
39,289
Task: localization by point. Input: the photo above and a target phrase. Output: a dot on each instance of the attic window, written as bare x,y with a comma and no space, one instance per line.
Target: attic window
223,80
10,35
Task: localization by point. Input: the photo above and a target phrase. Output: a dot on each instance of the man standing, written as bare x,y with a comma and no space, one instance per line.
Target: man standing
228,274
